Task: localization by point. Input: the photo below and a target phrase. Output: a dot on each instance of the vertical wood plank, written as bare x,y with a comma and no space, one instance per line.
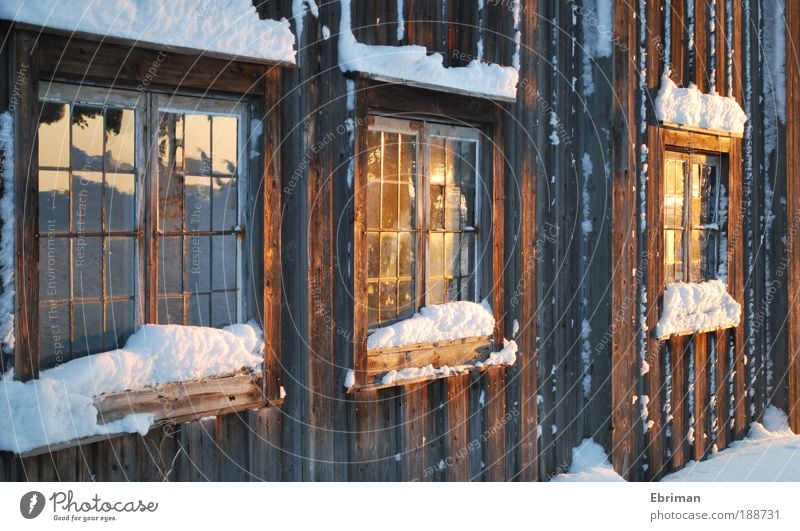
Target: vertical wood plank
793,206
456,441
26,71
680,414
701,396
625,372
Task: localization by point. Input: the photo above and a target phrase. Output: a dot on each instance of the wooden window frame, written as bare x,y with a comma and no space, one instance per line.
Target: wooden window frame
50,57
663,138
686,227
393,100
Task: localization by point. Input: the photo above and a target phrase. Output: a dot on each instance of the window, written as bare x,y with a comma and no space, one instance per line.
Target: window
98,279
421,209
693,224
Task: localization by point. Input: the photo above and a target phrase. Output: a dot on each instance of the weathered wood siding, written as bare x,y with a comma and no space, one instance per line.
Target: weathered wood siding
579,277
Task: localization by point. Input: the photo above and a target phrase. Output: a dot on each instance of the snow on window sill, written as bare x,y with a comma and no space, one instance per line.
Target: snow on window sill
164,374
226,28
695,308
688,107
405,375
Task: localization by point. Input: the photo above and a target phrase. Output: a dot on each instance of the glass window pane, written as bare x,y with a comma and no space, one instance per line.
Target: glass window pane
87,138
408,159
225,203
198,310
710,193
437,171
374,155
223,144
223,308
406,199
120,268
197,263
696,196
388,301
436,255
451,249
673,256
170,202
450,156
389,207
54,136
467,267
435,293
120,201
87,267
453,208
53,201
198,203
87,198
467,164
223,264
372,303
120,140
388,255
87,328
170,143
170,311
53,269
197,146
406,254
54,334
696,257
437,207
373,204
405,294
373,255
120,323
169,257
673,194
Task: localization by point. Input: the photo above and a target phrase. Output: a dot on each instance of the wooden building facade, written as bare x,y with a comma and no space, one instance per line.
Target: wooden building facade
571,226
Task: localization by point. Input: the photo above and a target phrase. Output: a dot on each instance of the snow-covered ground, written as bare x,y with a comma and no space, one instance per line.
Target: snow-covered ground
770,452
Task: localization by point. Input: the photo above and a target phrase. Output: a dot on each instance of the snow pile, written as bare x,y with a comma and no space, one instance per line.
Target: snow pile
438,322
689,106
589,463
229,27
697,307
504,358
412,63
770,452
59,406
8,257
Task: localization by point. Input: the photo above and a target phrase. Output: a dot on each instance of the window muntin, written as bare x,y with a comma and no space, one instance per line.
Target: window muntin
199,230
692,223
92,210
88,228
422,182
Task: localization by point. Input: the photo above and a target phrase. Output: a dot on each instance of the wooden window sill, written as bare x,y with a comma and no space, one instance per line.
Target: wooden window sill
457,353
174,403
695,129
695,332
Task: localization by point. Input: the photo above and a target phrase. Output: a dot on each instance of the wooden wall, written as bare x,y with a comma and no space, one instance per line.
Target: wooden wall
575,293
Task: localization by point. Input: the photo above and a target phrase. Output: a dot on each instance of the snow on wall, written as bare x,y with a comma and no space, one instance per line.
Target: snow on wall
299,10
401,22
697,307
438,322
7,236
229,27
689,106
59,406
412,63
